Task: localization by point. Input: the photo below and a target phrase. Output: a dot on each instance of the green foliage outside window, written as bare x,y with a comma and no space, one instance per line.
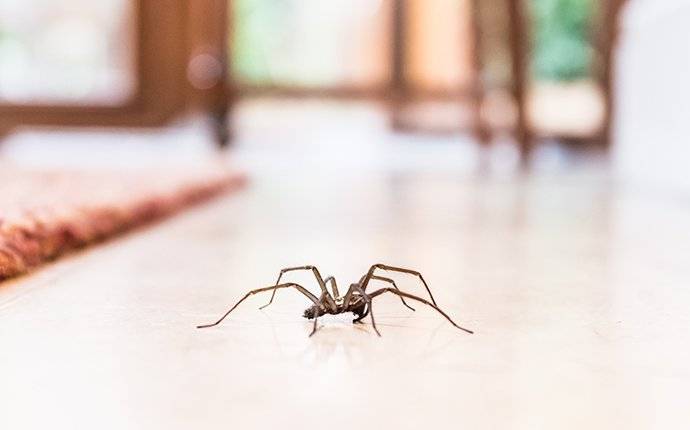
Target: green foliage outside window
255,24
562,48
562,39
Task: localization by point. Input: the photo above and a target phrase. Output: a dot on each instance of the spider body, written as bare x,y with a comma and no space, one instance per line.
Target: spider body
355,300
357,305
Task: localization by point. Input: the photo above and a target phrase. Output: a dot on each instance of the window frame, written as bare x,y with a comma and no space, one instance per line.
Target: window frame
159,70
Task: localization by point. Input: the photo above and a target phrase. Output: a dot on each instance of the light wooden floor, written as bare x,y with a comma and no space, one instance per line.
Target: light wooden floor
576,286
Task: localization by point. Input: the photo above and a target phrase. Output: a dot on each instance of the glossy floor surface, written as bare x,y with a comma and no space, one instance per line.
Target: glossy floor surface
576,286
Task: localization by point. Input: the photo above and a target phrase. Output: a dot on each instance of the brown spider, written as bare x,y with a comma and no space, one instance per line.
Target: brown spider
356,300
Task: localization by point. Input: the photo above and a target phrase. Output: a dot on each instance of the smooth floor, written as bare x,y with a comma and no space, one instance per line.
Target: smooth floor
575,284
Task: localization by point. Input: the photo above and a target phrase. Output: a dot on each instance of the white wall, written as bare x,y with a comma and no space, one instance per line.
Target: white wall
652,121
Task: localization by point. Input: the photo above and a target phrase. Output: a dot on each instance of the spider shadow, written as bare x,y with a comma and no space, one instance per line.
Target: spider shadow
335,342
340,343
345,341
337,337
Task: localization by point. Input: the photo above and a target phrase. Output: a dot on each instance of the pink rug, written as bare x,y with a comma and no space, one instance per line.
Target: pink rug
44,215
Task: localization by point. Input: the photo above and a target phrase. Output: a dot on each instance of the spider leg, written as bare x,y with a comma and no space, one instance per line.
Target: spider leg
334,285
316,317
329,300
300,288
369,308
348,297
380,278
373,268
419,299
392,282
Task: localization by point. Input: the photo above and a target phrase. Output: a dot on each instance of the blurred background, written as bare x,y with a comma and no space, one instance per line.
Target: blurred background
499,81
530,71
527,74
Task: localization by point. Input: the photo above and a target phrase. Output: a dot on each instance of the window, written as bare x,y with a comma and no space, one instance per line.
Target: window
67,52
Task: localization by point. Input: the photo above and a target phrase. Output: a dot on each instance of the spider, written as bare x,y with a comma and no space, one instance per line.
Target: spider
355,300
